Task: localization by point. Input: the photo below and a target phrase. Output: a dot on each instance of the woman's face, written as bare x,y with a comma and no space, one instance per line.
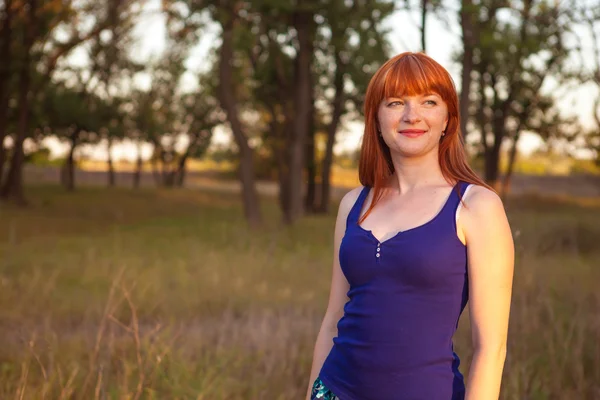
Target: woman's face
412,125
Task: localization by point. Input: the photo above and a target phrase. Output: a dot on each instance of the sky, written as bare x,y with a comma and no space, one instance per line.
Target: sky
441,41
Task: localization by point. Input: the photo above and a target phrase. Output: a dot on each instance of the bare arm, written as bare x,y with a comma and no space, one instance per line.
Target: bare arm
491,263
337,294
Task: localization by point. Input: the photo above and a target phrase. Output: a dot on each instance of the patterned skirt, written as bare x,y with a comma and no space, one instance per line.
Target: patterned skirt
320,392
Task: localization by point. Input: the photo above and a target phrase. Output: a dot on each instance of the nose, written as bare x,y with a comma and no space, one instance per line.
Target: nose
411,114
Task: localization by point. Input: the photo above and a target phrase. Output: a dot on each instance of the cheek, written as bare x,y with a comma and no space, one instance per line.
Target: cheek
388,118
382,117
439,119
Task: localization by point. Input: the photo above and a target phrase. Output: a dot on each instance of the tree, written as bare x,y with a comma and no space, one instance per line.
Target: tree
6,35
355,49
468,15
73,115
168,115
277,41
34,62
111,65
348,47
226,14
202,116
513,57
142,124
590,18
13,187
274,59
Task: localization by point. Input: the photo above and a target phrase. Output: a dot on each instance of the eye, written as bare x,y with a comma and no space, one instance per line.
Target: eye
431,102
395,103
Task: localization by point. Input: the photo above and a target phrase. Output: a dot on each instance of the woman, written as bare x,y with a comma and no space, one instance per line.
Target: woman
421,237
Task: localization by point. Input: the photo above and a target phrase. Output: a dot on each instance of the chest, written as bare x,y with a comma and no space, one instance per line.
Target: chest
392,216
427,258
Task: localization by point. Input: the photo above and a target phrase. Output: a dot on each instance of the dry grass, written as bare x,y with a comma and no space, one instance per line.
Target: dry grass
166,294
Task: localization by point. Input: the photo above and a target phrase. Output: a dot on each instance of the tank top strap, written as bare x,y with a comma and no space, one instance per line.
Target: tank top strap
463,187
354,213
453,201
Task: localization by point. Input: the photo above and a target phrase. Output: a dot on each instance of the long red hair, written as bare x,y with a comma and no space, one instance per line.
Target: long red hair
411,74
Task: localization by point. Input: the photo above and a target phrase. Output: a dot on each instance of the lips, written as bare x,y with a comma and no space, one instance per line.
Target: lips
412,133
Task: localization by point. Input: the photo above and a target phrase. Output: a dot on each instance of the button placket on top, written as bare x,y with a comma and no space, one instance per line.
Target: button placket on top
378,253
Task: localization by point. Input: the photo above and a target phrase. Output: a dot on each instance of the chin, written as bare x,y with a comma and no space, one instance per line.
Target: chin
413,151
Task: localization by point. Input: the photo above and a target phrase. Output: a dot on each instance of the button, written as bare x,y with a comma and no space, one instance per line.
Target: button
377,255
378,249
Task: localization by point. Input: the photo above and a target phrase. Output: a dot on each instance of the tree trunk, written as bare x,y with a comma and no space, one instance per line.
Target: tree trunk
310,202
277,133
5,67
109,160
492,157
338,109
302,106
512,157
468,35
423,23
311,174
180,169
284,191
168,177
155,173
138,166
13,187
68,171
500,115
283,173
226,96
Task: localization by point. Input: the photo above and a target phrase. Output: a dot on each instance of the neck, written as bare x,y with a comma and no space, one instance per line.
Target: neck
415,172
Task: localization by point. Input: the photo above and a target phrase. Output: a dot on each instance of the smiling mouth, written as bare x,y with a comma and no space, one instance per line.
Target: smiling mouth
412,132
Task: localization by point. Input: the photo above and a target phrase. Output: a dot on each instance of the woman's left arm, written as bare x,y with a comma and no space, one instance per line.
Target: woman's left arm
490,250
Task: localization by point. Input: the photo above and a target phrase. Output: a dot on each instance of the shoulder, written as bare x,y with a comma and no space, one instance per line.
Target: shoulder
483,213
344,209
348,201
480,201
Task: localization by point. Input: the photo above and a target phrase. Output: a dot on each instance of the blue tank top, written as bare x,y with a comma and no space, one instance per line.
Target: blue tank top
406,295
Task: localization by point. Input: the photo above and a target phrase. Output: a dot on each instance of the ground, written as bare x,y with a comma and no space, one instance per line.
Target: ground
166,294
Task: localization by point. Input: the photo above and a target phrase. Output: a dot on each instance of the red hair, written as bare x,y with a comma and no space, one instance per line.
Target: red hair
411,74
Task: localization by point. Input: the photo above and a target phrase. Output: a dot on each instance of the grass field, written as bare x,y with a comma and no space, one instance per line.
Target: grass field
157,294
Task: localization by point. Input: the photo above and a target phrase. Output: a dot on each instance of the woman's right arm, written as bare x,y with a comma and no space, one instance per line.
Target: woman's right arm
337,294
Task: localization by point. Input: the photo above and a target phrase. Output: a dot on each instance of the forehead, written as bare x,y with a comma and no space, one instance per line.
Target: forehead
410,76
416,96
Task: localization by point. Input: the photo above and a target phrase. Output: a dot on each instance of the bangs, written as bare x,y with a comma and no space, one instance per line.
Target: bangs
413,76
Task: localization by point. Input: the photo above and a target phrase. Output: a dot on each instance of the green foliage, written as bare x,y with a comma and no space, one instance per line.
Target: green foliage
520,47
359,40
348,39
41,157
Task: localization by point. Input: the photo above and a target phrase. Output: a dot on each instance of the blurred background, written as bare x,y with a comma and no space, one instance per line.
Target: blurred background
170,173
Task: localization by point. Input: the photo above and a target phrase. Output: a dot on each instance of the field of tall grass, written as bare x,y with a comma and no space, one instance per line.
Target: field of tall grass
166,294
